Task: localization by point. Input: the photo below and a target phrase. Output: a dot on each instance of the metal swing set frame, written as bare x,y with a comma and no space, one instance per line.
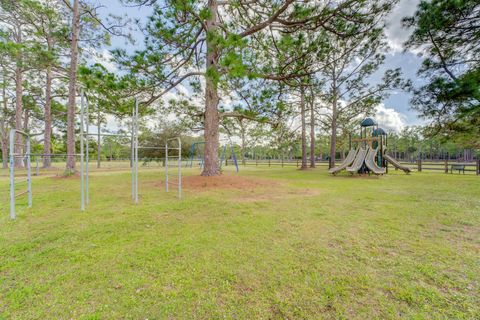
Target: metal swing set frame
85,158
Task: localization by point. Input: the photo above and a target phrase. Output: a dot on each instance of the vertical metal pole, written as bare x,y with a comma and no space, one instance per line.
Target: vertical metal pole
136,151
12,175
37,169
87,149
29,173
179,168
132,146
99,142
166,166
82,176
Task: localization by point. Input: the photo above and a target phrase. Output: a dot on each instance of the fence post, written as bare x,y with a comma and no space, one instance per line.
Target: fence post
419,165
282,162
446,165
297,163
269,162
256,162
478,167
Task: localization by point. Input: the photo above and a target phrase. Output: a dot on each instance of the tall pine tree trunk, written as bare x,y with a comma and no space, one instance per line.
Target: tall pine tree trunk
18,148
312,132
72,90
47,146
18,116
3,128
304,128
4,142
333,138
212,117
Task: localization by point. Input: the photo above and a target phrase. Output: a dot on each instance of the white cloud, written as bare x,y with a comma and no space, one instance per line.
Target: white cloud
396,33
389,119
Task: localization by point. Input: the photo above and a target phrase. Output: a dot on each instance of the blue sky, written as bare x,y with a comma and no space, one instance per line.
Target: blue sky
394,113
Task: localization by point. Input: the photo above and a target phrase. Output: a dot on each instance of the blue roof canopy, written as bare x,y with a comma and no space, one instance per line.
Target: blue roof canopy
368,122
379,132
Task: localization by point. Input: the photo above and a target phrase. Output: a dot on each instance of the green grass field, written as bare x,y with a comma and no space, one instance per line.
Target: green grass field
297,245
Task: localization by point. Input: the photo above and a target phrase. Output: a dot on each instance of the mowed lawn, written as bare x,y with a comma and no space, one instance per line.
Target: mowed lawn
271,243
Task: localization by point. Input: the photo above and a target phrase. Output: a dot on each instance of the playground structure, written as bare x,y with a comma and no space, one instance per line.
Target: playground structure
22,156
179,165
196,154
26,155
370,156
84,151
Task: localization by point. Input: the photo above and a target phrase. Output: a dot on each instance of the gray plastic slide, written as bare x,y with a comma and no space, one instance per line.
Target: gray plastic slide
371,164
357,164
348,161
396,164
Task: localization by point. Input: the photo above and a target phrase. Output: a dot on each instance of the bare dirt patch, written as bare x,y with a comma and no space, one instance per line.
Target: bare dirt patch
247,189
226,182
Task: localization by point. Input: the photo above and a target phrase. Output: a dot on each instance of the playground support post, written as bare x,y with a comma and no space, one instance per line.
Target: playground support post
166,166
179,165
135,119
29,172
132,154
26,156
82,175
84,150
37,168
87,149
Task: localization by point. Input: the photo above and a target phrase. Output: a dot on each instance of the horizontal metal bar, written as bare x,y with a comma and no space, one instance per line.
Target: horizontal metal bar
21,193
16,155
21,132
174,148
158,148
54,155
108,135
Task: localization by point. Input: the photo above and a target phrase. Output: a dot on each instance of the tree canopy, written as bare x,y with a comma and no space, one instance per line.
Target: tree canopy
447,33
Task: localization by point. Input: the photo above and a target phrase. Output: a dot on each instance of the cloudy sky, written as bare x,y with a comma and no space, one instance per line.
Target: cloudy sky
394,113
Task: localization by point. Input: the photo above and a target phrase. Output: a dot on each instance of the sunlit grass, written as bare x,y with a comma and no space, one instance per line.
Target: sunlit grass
310,246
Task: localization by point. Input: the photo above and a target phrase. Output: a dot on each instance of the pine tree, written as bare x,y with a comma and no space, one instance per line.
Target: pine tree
220,40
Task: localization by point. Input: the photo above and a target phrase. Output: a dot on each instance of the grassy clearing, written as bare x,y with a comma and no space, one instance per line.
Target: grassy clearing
308,246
